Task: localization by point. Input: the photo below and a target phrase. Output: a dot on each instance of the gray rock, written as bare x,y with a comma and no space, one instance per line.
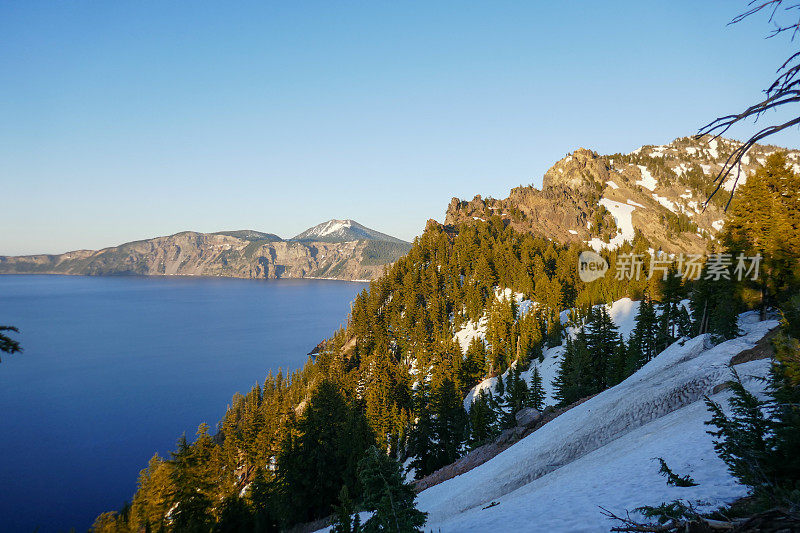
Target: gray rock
528,416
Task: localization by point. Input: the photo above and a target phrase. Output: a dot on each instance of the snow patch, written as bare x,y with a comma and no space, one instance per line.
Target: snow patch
622,217
712,148
665,202
647,181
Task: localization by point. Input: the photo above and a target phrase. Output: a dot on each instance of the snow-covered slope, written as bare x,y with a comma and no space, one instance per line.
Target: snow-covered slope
599,453
623,313
343,231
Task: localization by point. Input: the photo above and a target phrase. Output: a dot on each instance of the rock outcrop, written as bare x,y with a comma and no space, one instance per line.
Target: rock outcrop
664,188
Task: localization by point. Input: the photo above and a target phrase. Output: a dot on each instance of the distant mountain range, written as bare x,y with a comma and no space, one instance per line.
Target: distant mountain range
337,249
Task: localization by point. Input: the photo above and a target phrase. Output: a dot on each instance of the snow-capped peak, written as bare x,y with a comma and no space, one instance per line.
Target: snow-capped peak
336,230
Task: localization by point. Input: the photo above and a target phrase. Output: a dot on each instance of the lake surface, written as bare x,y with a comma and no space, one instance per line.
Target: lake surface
116,368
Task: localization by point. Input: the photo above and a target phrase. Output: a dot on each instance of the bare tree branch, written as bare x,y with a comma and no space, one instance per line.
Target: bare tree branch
785,90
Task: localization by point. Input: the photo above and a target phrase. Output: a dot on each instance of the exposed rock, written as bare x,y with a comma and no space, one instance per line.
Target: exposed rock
243,254
580,169
721,387
527,416
664,187
763,350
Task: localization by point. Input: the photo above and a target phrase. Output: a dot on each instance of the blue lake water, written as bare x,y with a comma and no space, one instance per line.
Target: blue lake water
116,368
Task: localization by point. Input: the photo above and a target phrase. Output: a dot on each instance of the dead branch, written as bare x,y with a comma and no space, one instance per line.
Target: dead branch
783,91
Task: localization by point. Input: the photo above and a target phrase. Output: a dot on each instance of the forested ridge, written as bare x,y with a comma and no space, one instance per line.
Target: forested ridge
292,449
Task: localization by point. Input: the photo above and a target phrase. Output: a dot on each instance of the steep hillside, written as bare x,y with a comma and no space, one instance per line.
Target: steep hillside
240,254
658,191
600,452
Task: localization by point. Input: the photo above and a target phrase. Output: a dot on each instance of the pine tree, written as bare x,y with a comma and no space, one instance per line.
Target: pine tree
7,344
536,394
194,469
602,343
264,496
500,387
723,314
759,439
765,219
450,425
685,326
483,420
642,346
671,291
343,519
475,362
421,446
619,367
570,383
330,437
153,497
516,396
385,493
742,438
234,516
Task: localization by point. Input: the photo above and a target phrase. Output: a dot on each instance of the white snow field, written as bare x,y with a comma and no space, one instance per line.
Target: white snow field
622,217
647,181
600,452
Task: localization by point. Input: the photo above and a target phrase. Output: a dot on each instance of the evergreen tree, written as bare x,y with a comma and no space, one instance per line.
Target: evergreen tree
570,383
154,495
722,323
450,425
7,344
234,516
759,439
719,313
193,478
330,438
536,394
483,420
475,362
619,366
602,343
685,326
388,496
344,520
264,498
500,387
764,219
742,440
421,445
516,396
642,347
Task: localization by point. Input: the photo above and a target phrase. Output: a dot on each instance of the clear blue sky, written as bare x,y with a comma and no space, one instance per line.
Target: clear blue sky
124,120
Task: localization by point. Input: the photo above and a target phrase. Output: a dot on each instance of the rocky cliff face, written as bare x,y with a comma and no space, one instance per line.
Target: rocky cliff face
220,254
601,201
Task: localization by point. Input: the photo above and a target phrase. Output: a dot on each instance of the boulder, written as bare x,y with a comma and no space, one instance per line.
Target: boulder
528,416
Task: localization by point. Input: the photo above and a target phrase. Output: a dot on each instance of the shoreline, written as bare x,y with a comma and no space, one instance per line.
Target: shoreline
190,276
